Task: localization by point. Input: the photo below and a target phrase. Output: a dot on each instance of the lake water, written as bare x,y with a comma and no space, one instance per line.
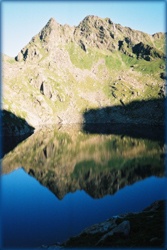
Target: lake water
61,180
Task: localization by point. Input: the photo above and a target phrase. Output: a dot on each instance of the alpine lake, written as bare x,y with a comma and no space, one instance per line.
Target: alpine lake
62,179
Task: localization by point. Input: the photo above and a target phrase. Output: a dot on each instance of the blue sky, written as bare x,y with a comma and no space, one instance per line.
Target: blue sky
22,20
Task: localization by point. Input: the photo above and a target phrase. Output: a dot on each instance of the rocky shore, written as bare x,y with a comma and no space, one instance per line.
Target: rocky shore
13,125
141,229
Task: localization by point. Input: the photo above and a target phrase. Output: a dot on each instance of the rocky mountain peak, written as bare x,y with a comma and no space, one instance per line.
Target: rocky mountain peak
51,25
52,21
93,31
65,74
52,35
50,28
159,35
96,32
95,22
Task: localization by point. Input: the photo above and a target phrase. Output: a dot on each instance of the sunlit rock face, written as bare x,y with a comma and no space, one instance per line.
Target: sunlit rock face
66,159
98,72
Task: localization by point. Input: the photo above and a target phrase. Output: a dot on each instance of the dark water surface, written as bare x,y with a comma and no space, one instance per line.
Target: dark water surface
61,180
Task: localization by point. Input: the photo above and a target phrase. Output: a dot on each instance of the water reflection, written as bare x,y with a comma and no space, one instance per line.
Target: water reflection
33,216
66,159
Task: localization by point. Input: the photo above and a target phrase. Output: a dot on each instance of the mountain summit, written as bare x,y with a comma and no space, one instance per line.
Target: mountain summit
94,31
97,71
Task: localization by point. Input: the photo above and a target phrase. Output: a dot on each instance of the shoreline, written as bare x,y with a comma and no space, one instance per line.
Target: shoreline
139,229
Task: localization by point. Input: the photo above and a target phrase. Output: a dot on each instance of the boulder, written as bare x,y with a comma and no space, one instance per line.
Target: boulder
123,228
19,57
45,89
32,54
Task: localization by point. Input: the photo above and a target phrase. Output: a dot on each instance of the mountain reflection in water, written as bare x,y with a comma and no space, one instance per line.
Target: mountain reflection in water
66,159
69,160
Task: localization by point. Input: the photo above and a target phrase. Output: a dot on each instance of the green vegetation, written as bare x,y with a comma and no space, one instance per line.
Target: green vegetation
152,67
128,61
143,66
113,62
43,53
11,61
160,42
82,59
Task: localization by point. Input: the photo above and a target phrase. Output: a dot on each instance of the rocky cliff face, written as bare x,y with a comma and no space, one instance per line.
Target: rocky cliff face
66,71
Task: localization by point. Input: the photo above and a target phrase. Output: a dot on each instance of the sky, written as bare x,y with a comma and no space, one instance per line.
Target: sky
21,20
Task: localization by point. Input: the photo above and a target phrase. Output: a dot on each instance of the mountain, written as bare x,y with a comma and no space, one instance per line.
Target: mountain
97,71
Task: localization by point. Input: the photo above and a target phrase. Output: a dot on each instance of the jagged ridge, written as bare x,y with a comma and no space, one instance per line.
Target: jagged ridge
94,32
65,72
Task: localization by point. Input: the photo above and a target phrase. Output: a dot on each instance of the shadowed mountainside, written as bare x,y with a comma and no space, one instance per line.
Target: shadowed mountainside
13,125
14,130
136,112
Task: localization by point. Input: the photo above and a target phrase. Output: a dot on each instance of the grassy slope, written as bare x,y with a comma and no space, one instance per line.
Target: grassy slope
143,82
